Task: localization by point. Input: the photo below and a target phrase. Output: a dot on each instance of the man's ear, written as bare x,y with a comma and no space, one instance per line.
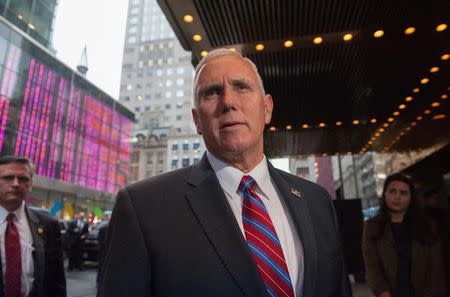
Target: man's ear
197,121
268,108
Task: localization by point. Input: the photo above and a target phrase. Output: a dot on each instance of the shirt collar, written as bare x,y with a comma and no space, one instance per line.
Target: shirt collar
230,177
19,212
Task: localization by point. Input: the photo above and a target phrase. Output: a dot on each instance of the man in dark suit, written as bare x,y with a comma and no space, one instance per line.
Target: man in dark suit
31,252
232,225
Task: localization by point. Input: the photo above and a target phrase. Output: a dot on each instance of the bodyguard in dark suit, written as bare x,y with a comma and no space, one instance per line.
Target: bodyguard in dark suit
31,252
232,225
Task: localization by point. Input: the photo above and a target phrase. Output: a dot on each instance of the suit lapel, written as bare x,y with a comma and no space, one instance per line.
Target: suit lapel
37,232
299,211
215,216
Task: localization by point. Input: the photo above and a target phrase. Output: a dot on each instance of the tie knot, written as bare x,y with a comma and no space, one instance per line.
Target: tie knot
247,183
10,217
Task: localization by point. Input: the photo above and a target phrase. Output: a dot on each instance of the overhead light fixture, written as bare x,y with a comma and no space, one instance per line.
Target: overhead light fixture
435,104
402,106
347,37
413,124
288,127
259,47
377,134
427,111
445,57
441,27
444,96
355,122
338,123
139,97
410,30
272,129
419,118
416,90
381,130
378,33
233,49
409,99
197,37
321,125
304,126
434,69
318,40
203,53
373,121
288,43
188,18
385,125
396,113
390,120
439,116
424,81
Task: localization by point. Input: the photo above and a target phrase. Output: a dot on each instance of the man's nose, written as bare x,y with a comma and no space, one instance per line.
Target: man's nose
16,181
228,98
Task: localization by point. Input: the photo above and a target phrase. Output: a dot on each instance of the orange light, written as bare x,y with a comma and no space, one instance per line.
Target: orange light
377,134
233,49
435,104
395,113
381,130
439,117
410,30
402,106
402,133
318,40
321,125
288,43
416,90
390,120
373,121
347,37
338,123
197,37
188,18
304,126
413,124
427,111
385,125
445,57
355,122
259,47
444,96
441,27
424,81
204,53
378,33
288,127
419,118
409,99
272,129
434,69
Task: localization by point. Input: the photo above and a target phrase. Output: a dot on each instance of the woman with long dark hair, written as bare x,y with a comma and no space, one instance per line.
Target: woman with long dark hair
402,249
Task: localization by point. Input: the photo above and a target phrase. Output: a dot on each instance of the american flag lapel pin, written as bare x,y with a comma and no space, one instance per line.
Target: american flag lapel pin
296,193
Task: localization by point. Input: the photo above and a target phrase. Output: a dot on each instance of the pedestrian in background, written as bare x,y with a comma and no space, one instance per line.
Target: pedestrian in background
30,240
402,248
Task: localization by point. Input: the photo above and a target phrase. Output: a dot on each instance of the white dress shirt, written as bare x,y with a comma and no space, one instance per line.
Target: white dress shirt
26,246
230,178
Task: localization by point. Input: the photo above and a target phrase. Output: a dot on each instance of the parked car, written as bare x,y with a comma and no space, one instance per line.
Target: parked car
91,246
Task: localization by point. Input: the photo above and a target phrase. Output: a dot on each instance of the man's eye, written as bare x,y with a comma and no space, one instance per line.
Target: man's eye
242,87
211,93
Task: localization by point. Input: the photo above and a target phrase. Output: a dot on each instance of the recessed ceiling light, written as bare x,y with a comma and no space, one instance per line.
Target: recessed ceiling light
347,37
233,49
402,106
318,40
304,126
445,57
441,27
390,120
444,96
203,53
259,47
439,117
288,43
435,104
338,123
381,130
409,99
416,90
419,118
385,125
355,122
272,129
378,33
188,18
373,121
288,127
427,111
395,113
434,69
197,37
410,30
321,125
424,81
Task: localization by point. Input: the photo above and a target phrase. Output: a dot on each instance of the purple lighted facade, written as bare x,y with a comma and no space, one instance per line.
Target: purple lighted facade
70,130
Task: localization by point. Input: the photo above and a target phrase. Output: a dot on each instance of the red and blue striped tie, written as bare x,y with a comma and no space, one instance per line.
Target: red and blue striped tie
263,242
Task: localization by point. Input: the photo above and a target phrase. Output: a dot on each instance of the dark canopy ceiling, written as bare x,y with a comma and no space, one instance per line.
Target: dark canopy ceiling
336,82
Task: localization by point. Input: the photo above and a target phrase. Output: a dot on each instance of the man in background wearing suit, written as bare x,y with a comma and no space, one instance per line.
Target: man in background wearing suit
231,225
30,240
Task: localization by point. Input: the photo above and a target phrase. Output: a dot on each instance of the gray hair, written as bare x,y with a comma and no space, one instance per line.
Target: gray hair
224,52
19,160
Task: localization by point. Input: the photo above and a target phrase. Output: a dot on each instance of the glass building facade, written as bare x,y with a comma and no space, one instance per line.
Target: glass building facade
34,17
72,131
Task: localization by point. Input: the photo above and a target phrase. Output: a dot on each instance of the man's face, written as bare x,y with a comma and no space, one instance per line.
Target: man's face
15,184
231,109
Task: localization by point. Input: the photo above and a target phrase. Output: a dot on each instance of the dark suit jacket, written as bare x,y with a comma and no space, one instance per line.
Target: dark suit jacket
175,235
49,279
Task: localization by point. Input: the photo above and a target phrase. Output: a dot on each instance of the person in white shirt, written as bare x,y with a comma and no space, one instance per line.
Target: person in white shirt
30,241
231,225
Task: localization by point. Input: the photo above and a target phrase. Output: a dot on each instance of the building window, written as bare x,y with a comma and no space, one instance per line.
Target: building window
185,146
180,93
179,118
196,160
167,106
135,157
196,145
137,109
185,162
175,147
174,164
